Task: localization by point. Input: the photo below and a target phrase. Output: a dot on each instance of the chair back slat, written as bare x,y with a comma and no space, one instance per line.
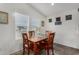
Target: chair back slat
25,38
31,34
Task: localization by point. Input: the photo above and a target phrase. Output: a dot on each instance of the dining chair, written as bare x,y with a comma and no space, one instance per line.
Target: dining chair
50,43
31,34
27,45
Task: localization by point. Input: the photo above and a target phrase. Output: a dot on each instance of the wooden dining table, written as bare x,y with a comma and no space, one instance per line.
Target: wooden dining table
36,40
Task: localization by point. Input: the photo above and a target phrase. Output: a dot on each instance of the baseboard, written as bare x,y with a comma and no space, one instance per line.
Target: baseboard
66,46
17,52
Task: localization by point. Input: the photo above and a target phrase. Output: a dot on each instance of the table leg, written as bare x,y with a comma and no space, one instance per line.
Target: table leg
36,52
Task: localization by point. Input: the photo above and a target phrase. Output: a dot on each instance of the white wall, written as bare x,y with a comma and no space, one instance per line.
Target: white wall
67,33
8,44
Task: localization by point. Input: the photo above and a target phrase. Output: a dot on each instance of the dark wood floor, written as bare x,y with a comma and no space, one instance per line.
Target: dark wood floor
65,50
58,50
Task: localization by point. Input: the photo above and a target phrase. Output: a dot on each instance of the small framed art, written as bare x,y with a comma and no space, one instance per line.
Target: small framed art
68,17
3,17
58,21
50,20
42,23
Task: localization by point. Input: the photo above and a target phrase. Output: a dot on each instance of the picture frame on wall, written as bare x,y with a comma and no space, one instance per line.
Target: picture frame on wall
58,21
68,17
42,23
3,17
50,20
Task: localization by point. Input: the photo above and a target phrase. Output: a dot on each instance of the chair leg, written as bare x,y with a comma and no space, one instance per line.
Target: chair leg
47,51
28,52
52,51
23,51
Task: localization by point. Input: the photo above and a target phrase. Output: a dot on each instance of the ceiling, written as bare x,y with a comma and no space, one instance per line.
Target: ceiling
47,9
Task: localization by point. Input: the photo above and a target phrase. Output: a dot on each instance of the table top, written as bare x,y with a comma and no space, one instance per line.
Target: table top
37,39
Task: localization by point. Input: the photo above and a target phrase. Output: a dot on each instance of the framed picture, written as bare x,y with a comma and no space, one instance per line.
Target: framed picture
50,20
3,17
58,21
42,23
68,17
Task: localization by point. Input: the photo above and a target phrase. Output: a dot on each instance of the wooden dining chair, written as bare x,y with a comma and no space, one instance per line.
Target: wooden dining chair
50,42
31,34
27,45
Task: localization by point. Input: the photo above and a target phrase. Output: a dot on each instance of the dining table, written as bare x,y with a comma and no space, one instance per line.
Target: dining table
36,40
